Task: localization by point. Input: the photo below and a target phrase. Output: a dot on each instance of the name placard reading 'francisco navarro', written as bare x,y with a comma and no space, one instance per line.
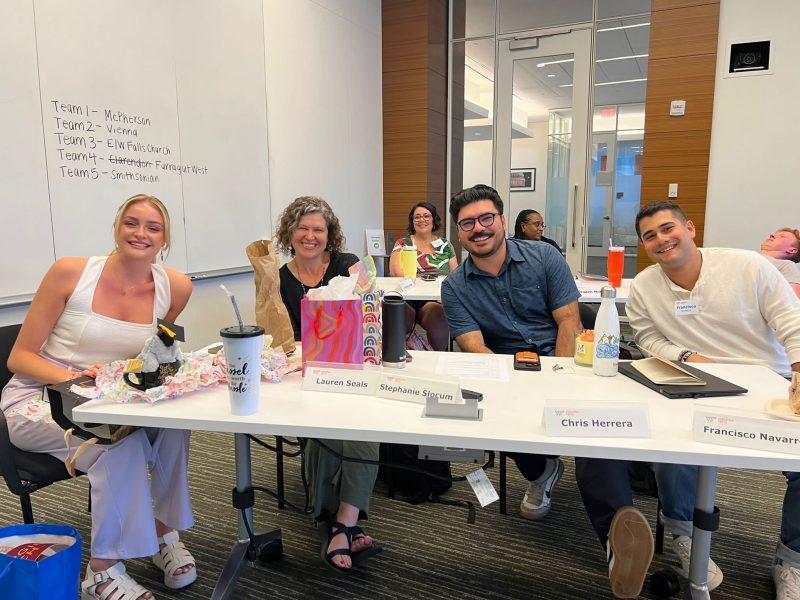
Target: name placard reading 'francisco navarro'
741,431
419,389
344,381
568,419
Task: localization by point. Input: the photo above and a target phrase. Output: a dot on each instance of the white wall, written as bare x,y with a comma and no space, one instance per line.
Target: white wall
755,155
324,111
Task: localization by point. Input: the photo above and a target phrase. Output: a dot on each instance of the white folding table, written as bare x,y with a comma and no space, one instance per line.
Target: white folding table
511,422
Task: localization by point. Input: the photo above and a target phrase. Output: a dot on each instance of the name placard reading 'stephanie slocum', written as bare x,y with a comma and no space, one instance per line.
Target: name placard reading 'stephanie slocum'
346,381
746,432
418,389
629,420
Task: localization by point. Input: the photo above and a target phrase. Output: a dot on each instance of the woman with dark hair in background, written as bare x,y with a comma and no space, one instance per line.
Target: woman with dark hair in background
530,226
435,255
341,490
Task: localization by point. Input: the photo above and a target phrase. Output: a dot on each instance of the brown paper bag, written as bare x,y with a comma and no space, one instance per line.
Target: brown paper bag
270,312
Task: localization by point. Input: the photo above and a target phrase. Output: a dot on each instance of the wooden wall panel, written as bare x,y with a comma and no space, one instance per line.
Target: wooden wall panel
683,56
414,108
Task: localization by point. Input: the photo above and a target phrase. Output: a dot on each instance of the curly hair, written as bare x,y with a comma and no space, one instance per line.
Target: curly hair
437,220
290,219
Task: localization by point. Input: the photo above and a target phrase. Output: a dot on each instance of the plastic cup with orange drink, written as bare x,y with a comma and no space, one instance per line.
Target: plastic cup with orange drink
616,265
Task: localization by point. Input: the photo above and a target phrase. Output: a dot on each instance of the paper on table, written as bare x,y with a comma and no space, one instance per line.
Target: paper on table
661,371
473,366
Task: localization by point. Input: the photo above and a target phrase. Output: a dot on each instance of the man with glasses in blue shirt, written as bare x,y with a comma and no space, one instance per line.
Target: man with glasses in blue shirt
510,296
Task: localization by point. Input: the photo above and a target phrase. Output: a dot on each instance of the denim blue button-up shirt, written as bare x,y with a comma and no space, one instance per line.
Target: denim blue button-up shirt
512,310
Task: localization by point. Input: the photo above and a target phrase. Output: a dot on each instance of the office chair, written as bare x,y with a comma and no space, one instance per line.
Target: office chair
23,472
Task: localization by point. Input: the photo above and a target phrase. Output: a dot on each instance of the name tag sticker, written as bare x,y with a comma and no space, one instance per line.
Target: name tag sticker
483,488
570,419
759,433
686,307
321,379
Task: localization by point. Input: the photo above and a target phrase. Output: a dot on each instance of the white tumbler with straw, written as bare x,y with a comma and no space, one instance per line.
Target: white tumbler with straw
243,358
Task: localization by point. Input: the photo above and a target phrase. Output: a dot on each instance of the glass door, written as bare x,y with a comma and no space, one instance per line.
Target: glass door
601,197
542,100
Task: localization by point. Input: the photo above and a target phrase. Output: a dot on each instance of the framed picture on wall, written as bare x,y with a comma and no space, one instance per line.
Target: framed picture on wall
523,180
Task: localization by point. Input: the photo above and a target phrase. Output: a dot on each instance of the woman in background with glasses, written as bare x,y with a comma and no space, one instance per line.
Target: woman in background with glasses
434,255
530,226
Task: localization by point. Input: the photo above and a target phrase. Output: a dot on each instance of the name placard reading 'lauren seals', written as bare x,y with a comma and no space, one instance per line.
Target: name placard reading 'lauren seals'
419,389
343,381
714,427
612,420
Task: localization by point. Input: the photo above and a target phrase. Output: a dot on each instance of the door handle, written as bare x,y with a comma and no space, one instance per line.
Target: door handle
574,211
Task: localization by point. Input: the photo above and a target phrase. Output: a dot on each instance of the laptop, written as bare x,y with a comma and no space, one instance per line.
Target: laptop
714,385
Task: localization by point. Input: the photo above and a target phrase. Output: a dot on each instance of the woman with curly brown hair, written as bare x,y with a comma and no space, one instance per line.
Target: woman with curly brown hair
341,490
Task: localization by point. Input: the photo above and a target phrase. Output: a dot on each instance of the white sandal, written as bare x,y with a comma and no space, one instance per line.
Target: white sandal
172,557
121,586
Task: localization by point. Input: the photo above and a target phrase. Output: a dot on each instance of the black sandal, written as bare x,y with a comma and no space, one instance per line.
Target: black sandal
333,529
357,533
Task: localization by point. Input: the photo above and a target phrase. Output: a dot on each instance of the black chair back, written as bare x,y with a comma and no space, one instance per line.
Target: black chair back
8,335
24,472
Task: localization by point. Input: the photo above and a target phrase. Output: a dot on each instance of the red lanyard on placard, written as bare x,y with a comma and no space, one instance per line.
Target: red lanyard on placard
333,329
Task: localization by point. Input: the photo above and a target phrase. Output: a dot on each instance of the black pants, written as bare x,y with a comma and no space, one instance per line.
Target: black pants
530,465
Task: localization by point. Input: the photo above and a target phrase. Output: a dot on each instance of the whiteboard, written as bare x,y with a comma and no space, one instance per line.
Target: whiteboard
104,99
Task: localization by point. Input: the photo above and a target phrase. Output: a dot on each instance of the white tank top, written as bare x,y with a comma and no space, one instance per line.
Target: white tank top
82,338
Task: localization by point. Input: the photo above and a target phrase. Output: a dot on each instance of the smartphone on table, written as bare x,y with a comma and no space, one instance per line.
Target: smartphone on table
527,361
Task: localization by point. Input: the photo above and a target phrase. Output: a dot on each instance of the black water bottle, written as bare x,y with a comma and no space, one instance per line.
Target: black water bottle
394,330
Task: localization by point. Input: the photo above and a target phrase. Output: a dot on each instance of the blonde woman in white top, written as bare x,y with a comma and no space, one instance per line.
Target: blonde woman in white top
90,311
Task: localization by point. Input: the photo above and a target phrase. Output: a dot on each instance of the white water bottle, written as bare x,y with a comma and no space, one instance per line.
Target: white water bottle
606,335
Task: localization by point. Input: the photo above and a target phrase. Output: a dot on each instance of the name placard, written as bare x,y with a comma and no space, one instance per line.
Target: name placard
609,420
418,389
713,427
322,379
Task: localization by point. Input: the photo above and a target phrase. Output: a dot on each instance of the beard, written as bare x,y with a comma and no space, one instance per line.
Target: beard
486,251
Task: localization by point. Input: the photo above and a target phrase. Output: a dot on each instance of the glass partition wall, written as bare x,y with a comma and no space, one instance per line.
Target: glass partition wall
547,105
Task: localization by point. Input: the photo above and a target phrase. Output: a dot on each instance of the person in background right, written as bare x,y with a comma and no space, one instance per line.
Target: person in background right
530,226
751,317
782,249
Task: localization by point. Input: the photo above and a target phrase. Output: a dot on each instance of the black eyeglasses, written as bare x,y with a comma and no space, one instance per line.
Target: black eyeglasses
423,217
486,219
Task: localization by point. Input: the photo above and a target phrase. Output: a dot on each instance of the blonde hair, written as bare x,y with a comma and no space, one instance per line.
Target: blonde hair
154,202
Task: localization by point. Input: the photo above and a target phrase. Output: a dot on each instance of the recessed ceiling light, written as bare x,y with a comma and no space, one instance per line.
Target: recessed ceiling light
554,62
551,75
600,60
625,27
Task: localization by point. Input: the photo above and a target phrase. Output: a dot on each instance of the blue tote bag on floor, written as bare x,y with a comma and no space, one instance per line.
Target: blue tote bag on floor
48,577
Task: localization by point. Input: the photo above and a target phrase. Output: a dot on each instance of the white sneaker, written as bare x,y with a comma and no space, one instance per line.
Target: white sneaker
682,546
787,581
536,502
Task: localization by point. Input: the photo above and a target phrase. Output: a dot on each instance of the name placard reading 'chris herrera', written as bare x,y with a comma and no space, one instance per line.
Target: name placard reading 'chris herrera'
714,427
569,419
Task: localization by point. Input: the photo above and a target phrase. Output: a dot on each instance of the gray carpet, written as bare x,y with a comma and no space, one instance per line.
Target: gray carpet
430,551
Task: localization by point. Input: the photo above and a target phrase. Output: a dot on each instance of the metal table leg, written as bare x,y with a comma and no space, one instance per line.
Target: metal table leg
244,549
701,539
